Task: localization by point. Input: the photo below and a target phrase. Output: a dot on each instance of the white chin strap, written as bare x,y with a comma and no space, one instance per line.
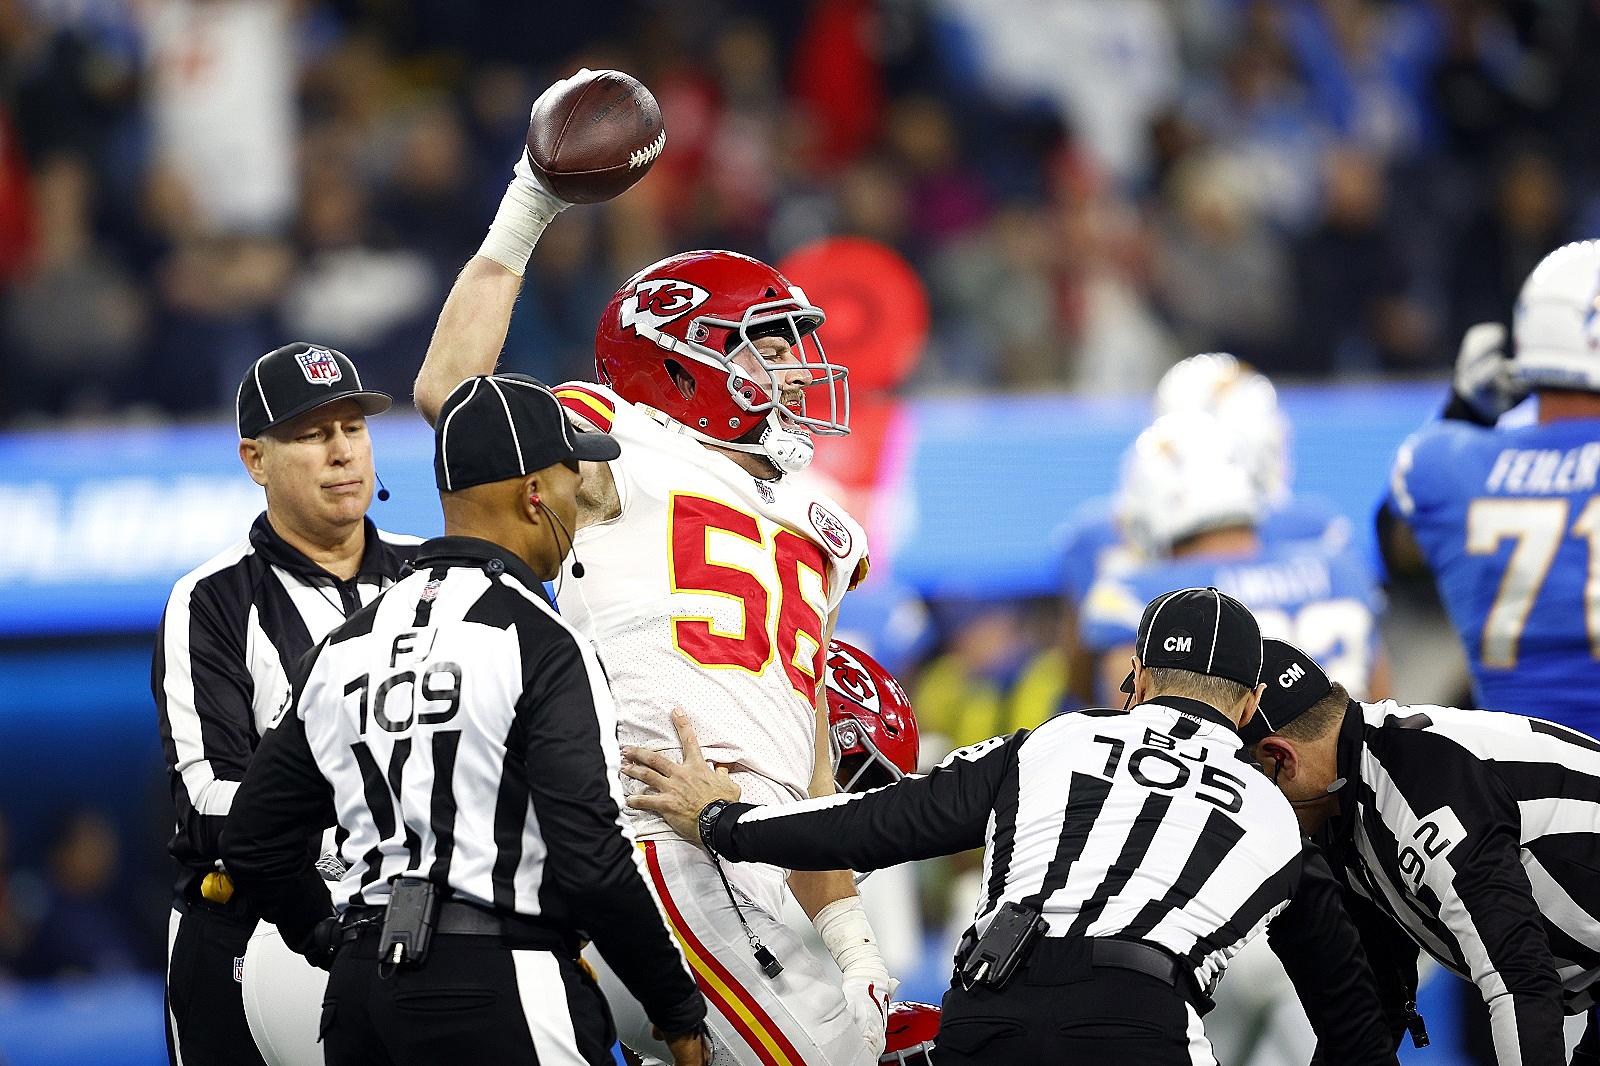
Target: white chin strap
790,451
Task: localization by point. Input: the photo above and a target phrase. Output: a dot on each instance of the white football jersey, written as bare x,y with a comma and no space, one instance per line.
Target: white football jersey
710,591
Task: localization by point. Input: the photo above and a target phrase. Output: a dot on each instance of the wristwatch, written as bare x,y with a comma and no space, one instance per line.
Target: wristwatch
707,821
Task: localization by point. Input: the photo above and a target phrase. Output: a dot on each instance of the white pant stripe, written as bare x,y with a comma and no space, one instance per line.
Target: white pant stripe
544,1004
1199,1046
172,1022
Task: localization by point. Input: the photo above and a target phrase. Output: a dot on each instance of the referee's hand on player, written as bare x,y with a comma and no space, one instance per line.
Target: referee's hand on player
681,789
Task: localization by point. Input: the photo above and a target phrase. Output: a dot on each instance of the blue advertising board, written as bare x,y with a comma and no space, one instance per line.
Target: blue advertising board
96,525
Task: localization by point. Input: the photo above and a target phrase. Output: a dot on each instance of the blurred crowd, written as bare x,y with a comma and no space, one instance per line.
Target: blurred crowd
1090,190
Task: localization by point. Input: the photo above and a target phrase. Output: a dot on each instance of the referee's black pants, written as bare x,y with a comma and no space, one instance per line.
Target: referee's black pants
1063,1010
205,1001
475,1000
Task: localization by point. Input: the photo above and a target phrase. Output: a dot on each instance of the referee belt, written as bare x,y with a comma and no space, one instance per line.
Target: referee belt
1061,959
459,918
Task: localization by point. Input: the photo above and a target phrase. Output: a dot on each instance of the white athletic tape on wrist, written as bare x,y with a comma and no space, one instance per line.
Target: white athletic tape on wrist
844,928
525,210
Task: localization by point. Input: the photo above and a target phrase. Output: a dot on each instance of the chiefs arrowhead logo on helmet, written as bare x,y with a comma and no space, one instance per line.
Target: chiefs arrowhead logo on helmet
658,301
872,732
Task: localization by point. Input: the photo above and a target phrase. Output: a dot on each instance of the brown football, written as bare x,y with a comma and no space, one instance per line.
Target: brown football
593,135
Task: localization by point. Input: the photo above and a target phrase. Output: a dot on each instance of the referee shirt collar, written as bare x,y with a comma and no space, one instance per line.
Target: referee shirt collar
475,551
1352,742
1193,708
379,560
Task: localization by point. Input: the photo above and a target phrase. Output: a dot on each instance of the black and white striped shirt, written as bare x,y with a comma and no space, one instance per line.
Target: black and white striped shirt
1141,825
1478,832
233,630
459,730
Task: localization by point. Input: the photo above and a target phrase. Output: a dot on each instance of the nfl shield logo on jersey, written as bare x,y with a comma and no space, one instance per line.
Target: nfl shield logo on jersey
319,366
833,532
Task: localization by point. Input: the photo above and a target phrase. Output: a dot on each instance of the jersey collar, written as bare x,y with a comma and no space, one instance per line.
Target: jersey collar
1347,764
474,551
379,560
1192,708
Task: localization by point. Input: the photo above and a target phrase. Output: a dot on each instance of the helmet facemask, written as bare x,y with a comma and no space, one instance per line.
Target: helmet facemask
821,405
868,768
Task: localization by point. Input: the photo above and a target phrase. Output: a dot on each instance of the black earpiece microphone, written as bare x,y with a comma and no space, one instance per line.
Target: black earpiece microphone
572,547
383,493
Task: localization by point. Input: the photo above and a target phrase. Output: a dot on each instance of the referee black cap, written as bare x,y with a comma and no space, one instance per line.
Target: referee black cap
499,426
1294,685
1203,631
289,381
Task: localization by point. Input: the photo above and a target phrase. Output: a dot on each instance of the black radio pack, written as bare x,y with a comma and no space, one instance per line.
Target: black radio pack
408,924
992,958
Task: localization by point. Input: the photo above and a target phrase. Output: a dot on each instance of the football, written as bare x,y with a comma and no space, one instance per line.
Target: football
594,134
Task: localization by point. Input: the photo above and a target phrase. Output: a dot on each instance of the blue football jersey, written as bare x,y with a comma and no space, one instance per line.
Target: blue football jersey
1092,546
1509,523
1326,601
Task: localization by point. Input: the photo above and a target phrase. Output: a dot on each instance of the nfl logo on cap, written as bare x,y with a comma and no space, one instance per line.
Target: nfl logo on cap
319,366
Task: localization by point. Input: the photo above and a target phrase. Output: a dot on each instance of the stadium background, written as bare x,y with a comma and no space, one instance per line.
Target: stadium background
1089,190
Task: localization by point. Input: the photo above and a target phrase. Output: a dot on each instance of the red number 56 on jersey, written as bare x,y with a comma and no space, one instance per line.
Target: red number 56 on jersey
763,631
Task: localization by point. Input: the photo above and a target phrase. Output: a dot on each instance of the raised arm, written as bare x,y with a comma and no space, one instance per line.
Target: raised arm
471,330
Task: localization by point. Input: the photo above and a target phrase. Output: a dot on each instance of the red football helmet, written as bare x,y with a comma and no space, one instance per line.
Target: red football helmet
670,336
912,1029
872,731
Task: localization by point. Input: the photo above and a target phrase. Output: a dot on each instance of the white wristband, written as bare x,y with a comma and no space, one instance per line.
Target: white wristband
845,930
525,210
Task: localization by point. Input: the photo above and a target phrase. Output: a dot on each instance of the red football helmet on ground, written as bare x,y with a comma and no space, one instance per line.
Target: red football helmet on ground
670,336
872,731
912,1029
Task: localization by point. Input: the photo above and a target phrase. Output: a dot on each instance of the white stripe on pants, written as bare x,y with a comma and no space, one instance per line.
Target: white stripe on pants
1199,1047
173,919
545,1005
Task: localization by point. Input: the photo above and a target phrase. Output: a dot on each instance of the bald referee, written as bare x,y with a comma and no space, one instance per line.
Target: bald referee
1476,833
1130,854
462,736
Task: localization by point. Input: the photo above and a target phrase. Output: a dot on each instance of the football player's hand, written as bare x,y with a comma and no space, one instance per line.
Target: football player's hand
680,791
1483,372
868,1002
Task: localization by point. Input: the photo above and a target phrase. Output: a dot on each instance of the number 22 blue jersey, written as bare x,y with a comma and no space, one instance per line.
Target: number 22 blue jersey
1509,524
1326,602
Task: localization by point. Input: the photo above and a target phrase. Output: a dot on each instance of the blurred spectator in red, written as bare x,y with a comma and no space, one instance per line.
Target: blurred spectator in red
85,927
18,224
835,77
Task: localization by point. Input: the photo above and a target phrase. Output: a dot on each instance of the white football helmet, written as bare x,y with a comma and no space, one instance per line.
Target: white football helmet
1556,324
1235,392
1184,475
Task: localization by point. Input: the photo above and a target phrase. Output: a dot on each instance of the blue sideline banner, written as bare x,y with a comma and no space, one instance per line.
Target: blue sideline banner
96,525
